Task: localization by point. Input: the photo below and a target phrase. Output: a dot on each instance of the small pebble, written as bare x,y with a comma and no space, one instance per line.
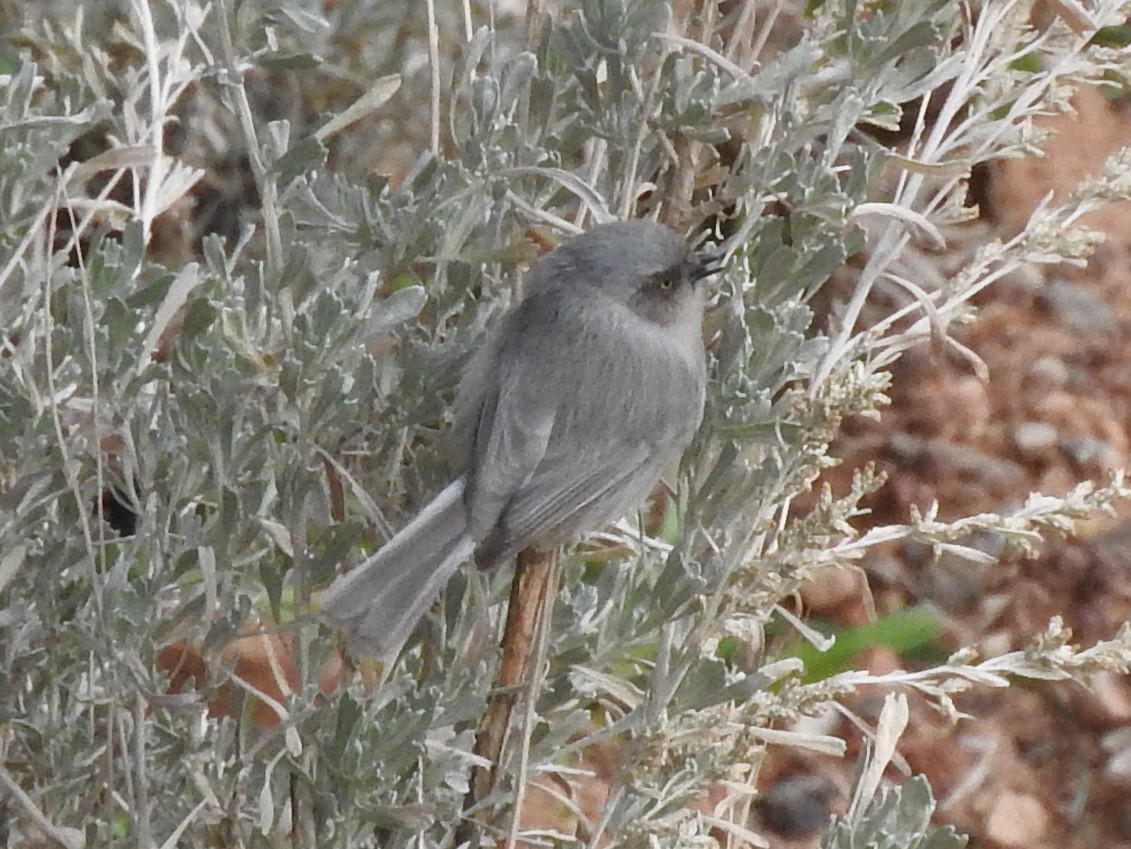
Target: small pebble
1017,819
1088,449
1052,369
1076,308
796,806
1032,437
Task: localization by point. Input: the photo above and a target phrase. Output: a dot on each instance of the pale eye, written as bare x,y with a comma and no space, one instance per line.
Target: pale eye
664,283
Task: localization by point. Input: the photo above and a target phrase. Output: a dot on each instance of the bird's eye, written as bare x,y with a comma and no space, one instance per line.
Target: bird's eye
664,283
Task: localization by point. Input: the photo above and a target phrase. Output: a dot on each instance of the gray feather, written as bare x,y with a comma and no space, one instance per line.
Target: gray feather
379,603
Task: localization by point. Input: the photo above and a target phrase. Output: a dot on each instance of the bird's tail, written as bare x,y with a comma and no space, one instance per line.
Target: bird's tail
379,603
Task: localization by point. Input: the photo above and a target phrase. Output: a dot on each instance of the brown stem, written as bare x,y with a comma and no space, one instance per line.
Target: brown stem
530,590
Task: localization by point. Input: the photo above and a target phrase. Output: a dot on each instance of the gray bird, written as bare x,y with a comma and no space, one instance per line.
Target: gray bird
565,419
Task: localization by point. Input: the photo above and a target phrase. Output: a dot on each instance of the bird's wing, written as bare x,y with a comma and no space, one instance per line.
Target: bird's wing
523,398
510,437
563,500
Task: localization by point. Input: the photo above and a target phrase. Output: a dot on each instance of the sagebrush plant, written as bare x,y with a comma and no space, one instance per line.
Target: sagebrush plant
271,403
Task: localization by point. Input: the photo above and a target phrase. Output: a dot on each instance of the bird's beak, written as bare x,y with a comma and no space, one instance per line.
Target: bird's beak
707,265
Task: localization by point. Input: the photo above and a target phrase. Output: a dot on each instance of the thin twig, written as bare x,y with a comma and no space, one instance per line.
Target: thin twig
543,625
302,803
468,26
606,815
157,113
764,36
141,792
68,838
68,466
175,837
741,35
533,572
434,64
264,181
89,328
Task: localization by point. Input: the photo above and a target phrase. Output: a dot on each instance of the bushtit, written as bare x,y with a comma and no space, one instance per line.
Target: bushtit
565,419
